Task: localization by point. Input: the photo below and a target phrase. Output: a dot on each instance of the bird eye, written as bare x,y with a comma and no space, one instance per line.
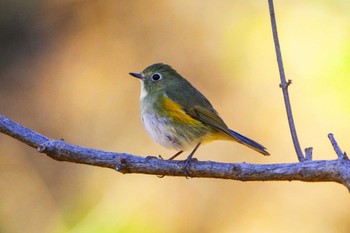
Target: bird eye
156,77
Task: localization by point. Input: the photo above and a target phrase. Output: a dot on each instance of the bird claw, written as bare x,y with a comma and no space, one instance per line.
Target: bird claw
187,164
154,157
151,157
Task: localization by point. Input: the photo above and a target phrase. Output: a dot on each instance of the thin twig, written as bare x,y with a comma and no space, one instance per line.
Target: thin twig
336,148
284,85
308,154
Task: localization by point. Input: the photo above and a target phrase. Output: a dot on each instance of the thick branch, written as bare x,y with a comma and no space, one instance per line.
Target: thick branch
310,171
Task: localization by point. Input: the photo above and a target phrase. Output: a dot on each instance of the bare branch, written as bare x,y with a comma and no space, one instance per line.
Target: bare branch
336,148
284,85
309,171
308,154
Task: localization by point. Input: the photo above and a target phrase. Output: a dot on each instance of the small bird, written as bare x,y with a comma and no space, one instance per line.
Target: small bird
177,116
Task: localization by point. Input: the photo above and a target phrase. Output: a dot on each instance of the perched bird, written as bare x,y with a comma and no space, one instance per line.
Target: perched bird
176,115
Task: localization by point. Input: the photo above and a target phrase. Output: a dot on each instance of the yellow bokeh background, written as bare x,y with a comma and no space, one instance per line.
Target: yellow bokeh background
64,73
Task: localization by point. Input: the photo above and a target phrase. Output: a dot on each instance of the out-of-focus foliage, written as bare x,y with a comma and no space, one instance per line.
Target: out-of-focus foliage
64,73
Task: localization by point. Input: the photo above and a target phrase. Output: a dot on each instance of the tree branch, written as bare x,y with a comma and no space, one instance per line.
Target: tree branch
284,85
310,171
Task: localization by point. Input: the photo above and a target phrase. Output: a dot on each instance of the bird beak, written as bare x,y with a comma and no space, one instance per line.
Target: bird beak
137,75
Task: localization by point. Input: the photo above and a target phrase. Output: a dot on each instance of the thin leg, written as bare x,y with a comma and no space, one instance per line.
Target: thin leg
175,155
189,158
192,153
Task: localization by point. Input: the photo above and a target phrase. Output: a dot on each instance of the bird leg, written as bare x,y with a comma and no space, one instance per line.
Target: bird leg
189,158
175,155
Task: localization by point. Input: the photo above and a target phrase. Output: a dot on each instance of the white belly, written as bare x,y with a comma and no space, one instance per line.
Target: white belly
162,132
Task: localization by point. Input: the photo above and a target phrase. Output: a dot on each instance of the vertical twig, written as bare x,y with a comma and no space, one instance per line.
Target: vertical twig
284,84
308,154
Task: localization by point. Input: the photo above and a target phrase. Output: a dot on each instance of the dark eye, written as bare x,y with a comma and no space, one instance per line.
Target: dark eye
156,77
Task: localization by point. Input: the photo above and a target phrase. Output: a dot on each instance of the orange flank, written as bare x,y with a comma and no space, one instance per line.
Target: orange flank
177,114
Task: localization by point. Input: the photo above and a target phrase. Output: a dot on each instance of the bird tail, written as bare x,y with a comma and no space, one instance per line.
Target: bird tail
250,143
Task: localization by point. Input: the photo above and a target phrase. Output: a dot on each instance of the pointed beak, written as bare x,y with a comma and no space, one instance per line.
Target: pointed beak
137,75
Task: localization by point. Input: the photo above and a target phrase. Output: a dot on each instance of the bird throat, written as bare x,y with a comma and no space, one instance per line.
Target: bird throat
144,92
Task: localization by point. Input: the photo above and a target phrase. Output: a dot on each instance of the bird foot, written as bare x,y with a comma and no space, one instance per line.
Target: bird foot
187,164
154,157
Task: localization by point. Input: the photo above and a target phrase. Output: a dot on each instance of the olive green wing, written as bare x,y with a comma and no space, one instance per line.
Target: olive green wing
200,109
213,120
197,106
209,117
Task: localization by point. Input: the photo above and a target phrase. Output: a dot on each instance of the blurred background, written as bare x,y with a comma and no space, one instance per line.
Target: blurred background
64,73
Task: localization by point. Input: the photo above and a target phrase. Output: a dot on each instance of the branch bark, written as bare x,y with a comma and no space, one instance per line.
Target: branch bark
337,170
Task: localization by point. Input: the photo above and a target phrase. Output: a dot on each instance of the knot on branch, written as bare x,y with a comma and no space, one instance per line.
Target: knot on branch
286,84
236,170
52,148
122,165
345,155
46,146
303,172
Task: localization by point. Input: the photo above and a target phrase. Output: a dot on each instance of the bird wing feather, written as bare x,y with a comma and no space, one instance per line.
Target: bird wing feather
200,109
